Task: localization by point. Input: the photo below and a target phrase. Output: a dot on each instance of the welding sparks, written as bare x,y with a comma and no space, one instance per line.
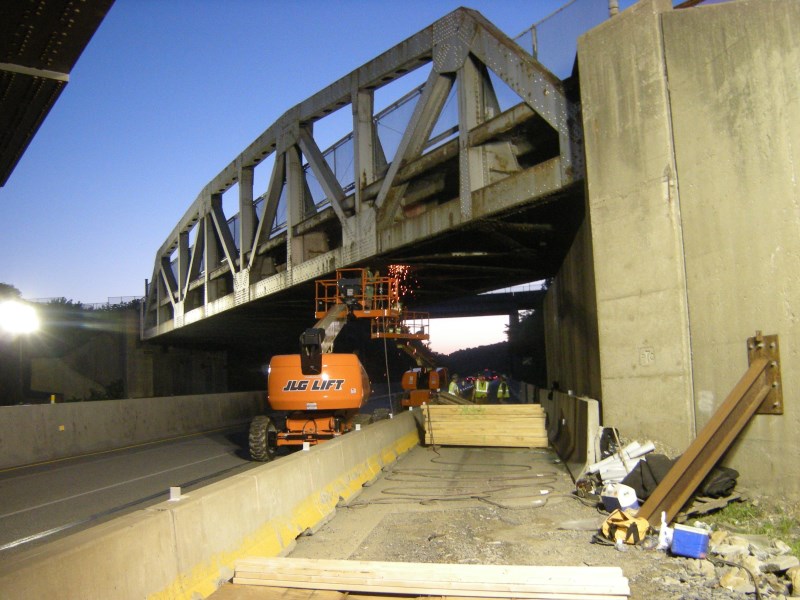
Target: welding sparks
405,279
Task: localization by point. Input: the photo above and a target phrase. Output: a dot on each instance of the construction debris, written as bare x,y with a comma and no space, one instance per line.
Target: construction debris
488,425
617,466
435,579
623,526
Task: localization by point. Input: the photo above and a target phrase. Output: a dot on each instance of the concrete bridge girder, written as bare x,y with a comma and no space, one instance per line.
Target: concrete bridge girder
499,162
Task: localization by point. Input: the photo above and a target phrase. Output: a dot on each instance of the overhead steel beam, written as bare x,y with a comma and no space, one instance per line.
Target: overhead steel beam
40,42
41,73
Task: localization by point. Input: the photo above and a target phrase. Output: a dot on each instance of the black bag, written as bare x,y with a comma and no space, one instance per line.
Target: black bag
647,474
719,483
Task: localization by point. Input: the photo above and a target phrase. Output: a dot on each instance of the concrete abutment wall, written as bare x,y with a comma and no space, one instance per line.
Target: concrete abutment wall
691,122
635,219
735,105
570,322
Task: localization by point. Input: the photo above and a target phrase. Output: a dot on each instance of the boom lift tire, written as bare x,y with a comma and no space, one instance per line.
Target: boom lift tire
362,419
262,439
379,414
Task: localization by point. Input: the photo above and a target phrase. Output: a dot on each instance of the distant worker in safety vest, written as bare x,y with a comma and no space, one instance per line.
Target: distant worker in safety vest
481,389
454,389
503,393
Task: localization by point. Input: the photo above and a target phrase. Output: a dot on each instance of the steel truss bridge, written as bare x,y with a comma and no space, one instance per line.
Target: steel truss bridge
470,194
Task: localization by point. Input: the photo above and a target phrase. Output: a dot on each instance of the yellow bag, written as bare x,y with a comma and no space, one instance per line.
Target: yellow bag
625,526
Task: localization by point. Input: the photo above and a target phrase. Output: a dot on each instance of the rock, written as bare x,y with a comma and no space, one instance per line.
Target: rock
776,585
753,564
794,576
731,552
670,581
781,547
777,564
737,540
737,580
703,568
707,569
762,543
702,525
717,537
760,554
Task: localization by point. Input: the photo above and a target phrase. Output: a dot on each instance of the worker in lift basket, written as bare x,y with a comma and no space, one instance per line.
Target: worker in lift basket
454,389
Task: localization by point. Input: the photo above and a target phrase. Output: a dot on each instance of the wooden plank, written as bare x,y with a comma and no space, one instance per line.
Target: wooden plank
305,594
486,433
233,591
486,424
446,410
465,575
408,588
443,427
489,418
483,409
422,570
388,592
486,437
491,581
532,406
494,443
488,415
488,441
379,583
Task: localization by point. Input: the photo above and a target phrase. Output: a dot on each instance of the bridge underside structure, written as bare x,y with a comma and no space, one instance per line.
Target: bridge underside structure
471,195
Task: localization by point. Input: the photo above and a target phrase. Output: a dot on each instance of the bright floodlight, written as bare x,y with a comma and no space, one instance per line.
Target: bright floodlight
18,317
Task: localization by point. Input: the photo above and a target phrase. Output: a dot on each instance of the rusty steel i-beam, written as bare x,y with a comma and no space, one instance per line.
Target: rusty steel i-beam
758,391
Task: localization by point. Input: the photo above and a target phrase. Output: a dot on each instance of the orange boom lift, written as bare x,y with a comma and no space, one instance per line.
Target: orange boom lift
318,391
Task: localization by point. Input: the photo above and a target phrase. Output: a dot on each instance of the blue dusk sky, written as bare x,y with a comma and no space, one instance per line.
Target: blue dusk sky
165,95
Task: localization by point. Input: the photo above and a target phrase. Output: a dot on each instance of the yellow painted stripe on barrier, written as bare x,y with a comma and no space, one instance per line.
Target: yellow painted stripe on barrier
278,534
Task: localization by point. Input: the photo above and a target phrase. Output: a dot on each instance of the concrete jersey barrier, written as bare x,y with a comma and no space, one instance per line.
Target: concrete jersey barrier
40,432
187,548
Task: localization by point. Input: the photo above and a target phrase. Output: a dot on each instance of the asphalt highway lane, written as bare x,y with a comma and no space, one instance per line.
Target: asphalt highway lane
45,501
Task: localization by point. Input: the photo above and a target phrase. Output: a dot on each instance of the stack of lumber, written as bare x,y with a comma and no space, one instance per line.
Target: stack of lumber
500,425
443,397
475,581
